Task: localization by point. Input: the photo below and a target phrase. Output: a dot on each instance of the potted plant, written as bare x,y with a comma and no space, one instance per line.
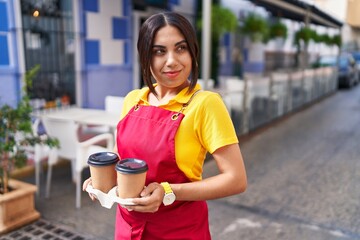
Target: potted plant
336,40
324,38
17,197
278,30
256,27
304,34
302,38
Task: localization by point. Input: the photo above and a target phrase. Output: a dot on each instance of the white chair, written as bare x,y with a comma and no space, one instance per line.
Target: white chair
71,148
235,97
210,83
114,104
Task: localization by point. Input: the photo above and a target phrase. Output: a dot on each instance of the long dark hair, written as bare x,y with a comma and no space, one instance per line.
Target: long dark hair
145,42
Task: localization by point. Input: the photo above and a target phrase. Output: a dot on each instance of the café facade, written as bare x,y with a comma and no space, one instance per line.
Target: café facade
86,49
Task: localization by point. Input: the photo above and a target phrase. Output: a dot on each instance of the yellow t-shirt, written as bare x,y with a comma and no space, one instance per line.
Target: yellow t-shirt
206,126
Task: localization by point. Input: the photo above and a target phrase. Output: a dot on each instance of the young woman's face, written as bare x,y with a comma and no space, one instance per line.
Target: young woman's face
171,60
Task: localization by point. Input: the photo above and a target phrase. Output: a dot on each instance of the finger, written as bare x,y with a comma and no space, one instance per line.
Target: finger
139,208
86,183
150,189
141,201
127,207
92,196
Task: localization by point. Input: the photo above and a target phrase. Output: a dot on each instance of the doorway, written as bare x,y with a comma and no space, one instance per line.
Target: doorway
139,17
49,42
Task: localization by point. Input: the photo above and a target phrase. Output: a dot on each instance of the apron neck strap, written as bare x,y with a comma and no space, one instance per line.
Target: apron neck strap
184,106
190,99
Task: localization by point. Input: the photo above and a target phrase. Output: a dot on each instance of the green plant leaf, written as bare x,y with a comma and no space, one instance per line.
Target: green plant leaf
278,29
13,121
256,27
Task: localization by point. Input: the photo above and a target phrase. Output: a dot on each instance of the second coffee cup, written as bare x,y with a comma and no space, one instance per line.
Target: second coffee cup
102,170
131,176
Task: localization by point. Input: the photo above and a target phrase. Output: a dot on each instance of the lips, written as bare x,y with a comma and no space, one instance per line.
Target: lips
172,74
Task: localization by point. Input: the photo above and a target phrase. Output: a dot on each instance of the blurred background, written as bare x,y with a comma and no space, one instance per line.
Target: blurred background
86,50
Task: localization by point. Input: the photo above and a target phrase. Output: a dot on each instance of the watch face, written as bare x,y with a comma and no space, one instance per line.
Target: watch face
169,199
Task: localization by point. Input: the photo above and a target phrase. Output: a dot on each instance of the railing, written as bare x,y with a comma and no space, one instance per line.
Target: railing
257,100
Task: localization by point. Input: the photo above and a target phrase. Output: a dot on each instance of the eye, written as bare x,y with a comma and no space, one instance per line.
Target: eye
158,51
181,48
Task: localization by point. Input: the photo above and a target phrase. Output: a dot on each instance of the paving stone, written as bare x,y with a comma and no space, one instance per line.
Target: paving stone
43,229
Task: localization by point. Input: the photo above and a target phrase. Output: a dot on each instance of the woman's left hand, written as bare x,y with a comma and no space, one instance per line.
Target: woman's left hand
150,200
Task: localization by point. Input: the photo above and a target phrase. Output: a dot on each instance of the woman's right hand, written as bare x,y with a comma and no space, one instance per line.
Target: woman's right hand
85,184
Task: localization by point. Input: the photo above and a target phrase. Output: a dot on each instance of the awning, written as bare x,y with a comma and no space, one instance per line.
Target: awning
298,11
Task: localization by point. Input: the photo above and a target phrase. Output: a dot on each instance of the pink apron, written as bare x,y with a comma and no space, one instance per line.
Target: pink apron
148,133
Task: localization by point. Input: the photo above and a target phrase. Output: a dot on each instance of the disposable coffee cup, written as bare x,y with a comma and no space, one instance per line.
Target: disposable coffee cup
102,170
131,176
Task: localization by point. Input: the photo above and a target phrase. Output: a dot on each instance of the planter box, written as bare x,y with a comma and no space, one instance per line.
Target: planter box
17,207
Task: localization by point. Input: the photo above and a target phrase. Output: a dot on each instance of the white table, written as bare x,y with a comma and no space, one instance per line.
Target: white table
83,116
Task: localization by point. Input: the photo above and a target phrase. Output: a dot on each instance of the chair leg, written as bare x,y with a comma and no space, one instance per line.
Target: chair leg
73,171
37,176
78,190
52,159
48,181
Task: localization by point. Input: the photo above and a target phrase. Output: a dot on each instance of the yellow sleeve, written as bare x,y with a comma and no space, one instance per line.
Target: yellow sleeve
130,100
206,127
215,125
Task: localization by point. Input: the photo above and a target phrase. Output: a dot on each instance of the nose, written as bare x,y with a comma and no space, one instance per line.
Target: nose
171,60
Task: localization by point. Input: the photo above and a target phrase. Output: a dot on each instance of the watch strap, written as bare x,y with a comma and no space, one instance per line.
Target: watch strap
166,187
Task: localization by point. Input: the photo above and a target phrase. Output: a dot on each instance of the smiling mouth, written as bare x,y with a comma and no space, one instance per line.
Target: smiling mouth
172,73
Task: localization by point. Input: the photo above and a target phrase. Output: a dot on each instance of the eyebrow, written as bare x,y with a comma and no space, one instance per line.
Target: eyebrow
176,44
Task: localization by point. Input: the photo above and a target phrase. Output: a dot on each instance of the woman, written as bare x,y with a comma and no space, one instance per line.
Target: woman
171,125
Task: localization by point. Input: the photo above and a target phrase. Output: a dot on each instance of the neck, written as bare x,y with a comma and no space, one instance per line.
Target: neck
164,95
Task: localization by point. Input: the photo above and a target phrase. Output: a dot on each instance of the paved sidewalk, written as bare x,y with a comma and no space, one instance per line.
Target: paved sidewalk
45,230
